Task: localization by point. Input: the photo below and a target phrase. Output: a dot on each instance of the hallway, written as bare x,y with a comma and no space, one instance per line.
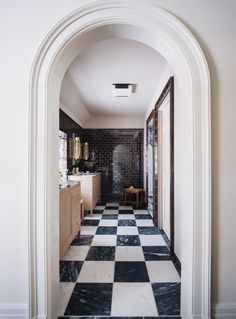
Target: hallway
119,266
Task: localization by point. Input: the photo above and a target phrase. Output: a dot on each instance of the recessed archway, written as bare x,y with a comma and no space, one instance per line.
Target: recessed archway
154,27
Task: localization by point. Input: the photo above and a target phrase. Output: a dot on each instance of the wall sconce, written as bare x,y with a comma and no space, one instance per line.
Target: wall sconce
86,151
77,148
70,147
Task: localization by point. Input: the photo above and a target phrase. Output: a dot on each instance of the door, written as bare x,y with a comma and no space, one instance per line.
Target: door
165,170
163,138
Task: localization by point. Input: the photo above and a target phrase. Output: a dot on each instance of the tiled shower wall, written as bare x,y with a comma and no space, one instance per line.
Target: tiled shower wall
117,153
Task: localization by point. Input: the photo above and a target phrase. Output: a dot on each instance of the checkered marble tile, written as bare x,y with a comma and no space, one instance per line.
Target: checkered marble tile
119,266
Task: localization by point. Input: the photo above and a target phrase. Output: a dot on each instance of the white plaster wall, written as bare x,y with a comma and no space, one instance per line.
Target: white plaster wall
23,26
71,102
115,122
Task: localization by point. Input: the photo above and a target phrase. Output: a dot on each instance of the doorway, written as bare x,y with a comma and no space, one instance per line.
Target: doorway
149,163
134,20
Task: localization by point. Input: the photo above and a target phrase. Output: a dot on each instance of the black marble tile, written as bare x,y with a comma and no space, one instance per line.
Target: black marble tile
90,299
69,270
158,317
126,222
77,317
112,207
126,211
131,271
106,230
97,211
82,240
110,216
101,253
166,239
156,253
128,240
167,297
148,230
143,216
90,222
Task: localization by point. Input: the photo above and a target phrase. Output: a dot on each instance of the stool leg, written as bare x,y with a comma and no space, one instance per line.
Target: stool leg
137,199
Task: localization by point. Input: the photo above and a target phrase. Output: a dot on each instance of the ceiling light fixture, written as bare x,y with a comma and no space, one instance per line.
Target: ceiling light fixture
123,89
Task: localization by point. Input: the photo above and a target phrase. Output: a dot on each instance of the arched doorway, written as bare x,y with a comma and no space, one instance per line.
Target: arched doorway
148,24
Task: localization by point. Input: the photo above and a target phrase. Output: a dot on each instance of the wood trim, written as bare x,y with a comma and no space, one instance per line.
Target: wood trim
168,89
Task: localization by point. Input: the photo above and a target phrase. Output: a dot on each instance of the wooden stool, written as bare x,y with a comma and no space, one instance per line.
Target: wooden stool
138,193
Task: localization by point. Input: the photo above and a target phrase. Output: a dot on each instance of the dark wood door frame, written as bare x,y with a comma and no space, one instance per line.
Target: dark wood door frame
168,89
150,117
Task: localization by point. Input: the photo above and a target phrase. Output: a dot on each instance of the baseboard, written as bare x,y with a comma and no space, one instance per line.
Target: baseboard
224,310
14,311
177,263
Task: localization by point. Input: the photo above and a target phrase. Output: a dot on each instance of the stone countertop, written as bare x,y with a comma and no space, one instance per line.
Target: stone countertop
76,177
68,184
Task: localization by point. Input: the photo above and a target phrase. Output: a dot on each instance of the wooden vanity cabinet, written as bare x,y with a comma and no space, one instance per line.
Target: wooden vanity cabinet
91,190
70,216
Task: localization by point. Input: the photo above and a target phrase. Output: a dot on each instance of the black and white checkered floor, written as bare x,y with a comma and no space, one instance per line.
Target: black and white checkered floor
119,266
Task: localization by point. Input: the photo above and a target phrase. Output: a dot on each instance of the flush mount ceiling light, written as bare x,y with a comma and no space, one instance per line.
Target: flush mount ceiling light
123,89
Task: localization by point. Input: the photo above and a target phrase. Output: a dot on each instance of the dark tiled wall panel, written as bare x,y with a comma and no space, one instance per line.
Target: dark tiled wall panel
118,155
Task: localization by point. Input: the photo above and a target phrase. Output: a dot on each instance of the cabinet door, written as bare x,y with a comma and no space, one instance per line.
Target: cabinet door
76,198
96,189
65,221
76,210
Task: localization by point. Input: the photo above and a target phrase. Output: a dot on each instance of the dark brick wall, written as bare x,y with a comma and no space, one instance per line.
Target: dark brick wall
117,153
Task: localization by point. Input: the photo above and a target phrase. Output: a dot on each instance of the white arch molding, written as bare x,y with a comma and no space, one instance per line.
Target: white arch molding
155,27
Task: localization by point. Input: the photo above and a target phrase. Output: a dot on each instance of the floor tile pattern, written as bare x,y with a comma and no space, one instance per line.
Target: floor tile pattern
119,267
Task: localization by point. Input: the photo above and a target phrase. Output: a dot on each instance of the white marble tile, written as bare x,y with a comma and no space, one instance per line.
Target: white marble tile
99,207
76,253
141,211
162,271
125,207
127,230
88,230
65,290
144,222
108,222
112,204
110,211
126,216
97,271
133,299
129,253
152,240
104,240
94,216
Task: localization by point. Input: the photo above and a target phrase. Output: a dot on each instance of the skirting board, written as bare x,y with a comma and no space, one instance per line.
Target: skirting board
14,311
224,311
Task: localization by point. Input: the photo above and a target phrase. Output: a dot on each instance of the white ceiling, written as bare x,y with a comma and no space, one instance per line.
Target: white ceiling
116,61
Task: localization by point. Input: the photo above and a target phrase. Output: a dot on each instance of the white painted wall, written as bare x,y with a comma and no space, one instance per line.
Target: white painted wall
115,122
24,25
70,102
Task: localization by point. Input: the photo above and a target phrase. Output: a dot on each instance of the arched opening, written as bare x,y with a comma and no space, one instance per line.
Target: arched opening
165,34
